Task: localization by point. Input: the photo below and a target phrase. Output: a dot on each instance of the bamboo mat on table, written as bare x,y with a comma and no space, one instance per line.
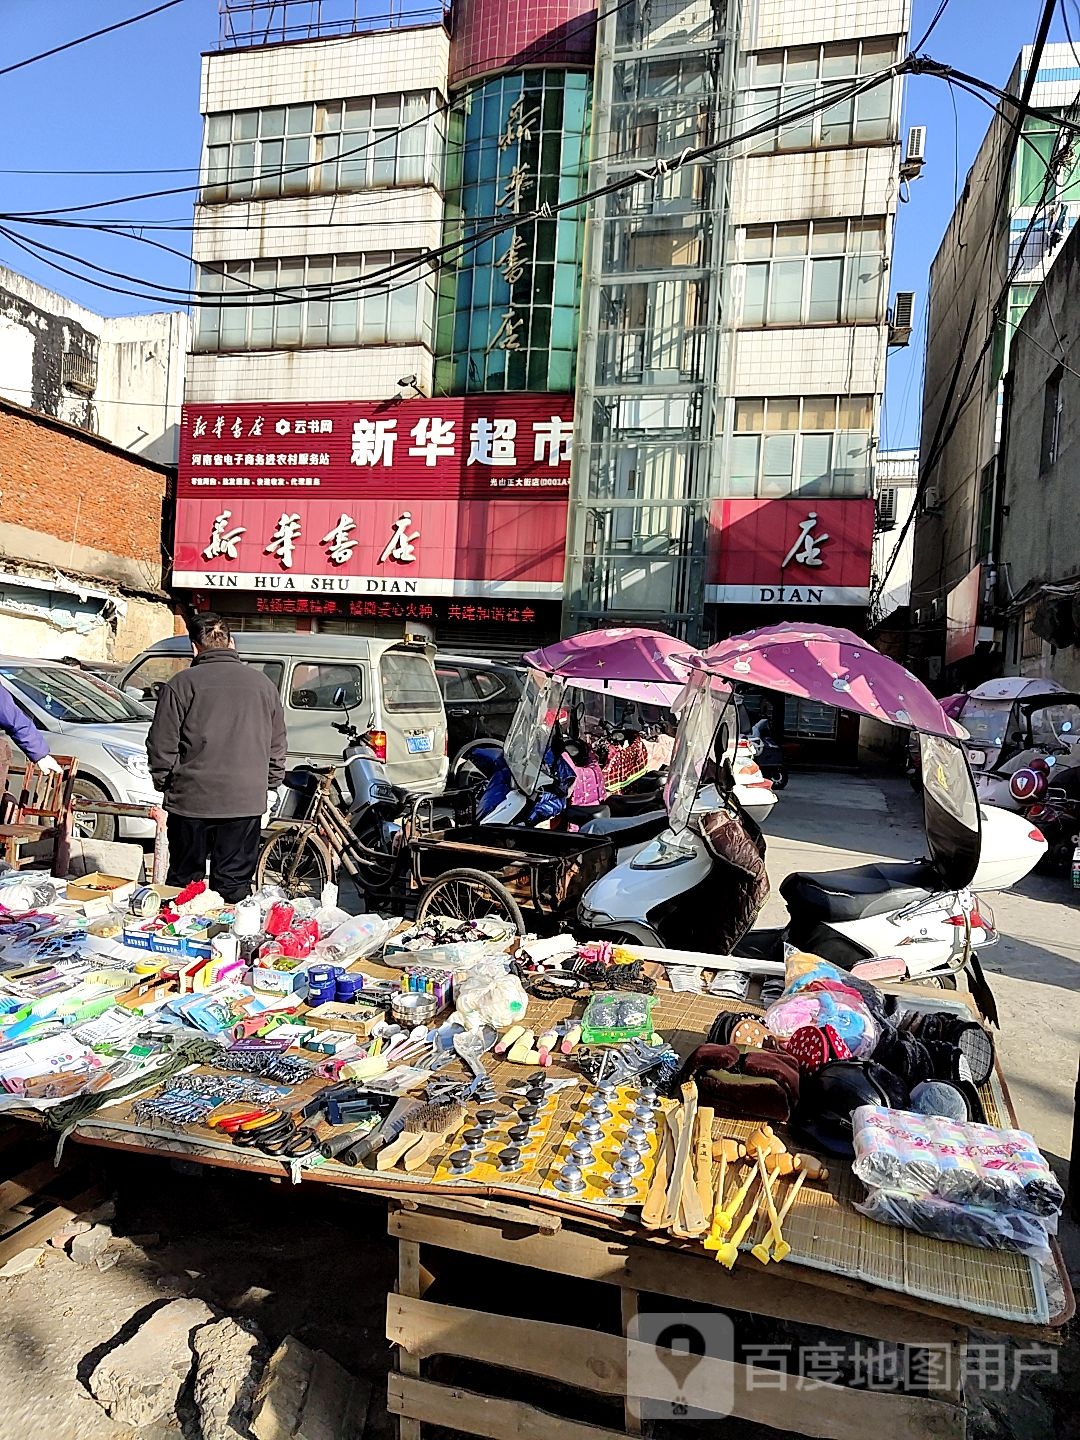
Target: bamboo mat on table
823,1228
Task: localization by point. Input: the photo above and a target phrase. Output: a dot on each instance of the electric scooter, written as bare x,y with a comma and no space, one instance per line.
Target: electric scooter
924,915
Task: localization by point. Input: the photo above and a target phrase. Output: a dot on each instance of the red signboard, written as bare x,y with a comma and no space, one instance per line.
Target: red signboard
790,552
962,617
460,496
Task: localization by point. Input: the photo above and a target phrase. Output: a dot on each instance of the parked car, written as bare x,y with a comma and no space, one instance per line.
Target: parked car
389,686
104,669
480,698
104,729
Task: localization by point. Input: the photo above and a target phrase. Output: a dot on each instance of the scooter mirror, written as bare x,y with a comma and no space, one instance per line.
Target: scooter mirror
339,697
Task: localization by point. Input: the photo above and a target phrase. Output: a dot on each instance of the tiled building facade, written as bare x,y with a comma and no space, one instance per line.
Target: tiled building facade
708,346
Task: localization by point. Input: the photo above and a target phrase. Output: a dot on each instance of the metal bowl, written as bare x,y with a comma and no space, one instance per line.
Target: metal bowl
413,1007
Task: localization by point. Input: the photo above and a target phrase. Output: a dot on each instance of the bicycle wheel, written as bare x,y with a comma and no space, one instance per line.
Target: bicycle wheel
301,864
470,895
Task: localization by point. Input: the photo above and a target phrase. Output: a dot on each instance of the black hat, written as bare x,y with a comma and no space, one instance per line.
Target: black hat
828,1097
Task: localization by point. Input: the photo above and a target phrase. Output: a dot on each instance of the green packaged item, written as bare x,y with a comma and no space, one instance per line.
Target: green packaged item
613,1016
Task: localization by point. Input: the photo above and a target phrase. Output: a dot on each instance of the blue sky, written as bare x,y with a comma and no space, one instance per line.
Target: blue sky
130,101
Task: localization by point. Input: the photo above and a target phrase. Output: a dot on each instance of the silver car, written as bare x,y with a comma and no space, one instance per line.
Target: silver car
101,727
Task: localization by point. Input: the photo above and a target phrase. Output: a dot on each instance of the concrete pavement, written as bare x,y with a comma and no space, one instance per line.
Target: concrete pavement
826,821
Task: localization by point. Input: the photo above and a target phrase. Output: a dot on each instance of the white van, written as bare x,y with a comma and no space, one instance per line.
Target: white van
390,688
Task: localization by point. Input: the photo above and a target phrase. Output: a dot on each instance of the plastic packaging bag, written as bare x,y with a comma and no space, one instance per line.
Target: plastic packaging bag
847,1016
613,1016
19,893
359,936
490,996
963,1224
976,1166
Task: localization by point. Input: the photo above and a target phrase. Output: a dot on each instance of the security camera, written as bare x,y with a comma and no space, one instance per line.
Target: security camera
408,380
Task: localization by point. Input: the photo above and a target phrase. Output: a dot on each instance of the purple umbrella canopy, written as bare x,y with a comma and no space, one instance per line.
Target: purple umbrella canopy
832,666
644,664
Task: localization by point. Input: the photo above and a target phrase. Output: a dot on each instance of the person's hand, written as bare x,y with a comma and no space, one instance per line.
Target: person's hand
48,765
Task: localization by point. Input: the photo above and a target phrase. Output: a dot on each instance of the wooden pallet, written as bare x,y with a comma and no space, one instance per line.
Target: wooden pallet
37,1198
596,1362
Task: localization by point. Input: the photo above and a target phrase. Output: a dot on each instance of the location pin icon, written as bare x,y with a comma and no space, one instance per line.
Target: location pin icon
673,1344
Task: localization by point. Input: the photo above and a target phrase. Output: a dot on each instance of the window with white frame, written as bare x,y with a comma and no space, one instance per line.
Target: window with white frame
780,82
305,303
823,272
337,145
801,445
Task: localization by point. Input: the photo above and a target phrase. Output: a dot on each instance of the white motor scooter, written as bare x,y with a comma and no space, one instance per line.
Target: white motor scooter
924,916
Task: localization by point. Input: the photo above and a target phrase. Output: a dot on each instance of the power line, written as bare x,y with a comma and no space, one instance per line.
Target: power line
939,12
439,255
556,43
82,39
946,426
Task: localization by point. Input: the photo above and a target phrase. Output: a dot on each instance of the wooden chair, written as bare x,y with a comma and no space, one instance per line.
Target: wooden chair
40,816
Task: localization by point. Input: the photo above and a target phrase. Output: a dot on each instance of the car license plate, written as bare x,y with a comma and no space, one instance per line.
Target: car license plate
418,744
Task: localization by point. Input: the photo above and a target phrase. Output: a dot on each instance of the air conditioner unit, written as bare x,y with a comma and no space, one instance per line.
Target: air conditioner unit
915,154
931,499
901,318
886,510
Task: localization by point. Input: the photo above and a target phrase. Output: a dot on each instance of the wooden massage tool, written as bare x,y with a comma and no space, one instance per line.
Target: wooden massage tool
652,1212
728,1251
729,1151
809,1168
682,1125
703,1159
688,1217
758,1146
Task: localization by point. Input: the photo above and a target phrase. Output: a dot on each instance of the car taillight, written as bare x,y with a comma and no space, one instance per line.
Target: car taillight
377,740
1037,836
446,744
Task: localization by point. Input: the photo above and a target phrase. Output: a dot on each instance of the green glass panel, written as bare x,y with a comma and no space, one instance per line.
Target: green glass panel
560,369
563,328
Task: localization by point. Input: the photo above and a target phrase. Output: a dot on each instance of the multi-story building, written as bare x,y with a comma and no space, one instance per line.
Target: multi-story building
1004,236
372,440
696,453
1038,560
118,377
734,343
896,482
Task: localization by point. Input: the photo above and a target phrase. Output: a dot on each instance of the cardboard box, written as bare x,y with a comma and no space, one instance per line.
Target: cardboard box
98,886
279,982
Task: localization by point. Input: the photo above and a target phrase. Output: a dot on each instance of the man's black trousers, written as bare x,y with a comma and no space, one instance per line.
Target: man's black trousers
231,846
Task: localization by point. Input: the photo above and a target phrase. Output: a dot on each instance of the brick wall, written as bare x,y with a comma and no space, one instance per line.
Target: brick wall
58,483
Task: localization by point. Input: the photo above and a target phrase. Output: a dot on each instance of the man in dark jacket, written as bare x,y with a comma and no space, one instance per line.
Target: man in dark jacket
216,746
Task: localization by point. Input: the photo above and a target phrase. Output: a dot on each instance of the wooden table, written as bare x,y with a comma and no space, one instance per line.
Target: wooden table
677,1278
526,1235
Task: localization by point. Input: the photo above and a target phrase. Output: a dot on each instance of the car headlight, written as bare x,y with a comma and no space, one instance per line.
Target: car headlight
133,761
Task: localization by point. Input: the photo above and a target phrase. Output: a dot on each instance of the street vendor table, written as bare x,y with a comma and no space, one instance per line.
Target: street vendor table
845,1274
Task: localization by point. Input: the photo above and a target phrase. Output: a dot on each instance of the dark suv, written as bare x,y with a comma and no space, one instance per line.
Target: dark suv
480,697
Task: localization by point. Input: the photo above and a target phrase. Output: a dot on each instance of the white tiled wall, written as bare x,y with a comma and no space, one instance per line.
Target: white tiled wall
325,69
780,22
823,361
815,185
368,374
365,222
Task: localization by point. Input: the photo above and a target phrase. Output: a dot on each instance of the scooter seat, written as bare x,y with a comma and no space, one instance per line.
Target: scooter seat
581,815
857,893
628,829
